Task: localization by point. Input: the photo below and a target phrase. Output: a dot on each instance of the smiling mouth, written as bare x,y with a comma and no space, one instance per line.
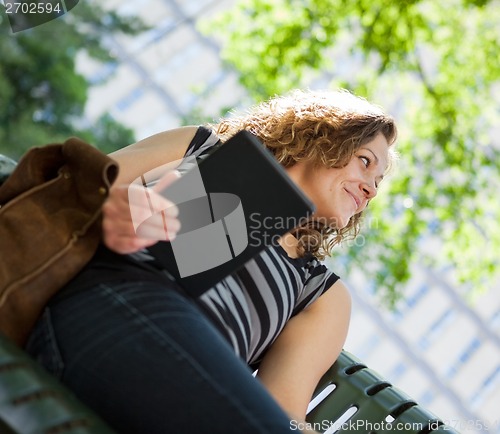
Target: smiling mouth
354,198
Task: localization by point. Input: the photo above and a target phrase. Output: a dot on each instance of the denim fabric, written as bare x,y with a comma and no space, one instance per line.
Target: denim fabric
148,361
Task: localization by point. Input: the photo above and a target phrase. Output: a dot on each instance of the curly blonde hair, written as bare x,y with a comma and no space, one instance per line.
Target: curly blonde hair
322,127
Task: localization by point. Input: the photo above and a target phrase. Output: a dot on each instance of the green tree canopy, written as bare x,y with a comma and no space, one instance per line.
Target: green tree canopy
42,97
435,65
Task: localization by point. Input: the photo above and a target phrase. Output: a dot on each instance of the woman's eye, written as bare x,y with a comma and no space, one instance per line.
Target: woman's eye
365,160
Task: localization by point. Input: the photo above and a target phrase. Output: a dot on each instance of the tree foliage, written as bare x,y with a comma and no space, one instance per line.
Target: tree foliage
42,97
436,66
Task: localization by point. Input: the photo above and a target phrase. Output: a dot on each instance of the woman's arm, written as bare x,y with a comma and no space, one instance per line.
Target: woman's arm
308,345
152,152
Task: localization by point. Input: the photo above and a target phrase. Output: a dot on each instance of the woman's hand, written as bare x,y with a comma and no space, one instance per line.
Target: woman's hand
135,217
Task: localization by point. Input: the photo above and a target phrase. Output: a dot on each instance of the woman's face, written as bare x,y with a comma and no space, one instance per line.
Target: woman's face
340,193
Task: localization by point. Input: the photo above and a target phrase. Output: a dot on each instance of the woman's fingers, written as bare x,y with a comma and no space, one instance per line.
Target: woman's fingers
159,226
135,217
166,180
160,221
144,203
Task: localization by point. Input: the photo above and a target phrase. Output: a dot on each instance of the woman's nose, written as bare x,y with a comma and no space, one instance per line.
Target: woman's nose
369,190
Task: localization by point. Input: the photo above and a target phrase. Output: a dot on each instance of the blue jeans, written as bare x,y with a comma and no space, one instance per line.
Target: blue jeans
148,361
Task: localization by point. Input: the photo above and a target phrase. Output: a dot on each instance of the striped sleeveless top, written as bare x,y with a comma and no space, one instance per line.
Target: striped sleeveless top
251,306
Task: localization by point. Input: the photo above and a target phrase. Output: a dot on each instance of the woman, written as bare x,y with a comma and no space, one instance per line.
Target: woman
151,360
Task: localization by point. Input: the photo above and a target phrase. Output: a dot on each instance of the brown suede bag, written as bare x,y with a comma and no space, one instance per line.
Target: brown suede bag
50,226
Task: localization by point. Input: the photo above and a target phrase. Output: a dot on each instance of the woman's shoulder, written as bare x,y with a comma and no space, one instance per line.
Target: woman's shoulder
203,140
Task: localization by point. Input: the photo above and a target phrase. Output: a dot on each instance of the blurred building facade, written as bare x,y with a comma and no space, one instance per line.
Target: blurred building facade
442,351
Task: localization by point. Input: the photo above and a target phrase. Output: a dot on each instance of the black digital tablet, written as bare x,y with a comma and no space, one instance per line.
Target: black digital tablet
232,204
